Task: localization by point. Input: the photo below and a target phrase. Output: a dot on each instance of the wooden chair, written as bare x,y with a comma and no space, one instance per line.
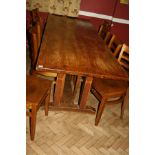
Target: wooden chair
114,45
35,17
36,20
123,58
37,92
117,51
36,25
104,28
105,89
35,45
34,13
104,31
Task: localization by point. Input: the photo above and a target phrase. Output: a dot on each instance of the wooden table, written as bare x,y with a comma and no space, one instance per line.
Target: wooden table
72,46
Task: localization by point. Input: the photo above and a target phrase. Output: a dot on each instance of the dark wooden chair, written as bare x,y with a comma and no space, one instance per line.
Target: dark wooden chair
104,31
116,51
104,28
105,89
35,42
34,52
36,23
123,58
114,45
37,92
35,17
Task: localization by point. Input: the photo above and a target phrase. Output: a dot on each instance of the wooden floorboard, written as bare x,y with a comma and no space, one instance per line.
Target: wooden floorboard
75,133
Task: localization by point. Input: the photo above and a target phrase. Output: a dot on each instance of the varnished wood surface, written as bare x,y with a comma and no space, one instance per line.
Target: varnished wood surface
36,88
73,46
37,92
105,89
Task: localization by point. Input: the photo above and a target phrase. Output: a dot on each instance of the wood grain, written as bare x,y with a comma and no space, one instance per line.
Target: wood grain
72,46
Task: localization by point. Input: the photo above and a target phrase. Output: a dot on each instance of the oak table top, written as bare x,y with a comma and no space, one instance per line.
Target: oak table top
72,46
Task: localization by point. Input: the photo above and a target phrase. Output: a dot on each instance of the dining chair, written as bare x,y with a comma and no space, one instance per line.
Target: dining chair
37,93
117,51
35,17
114,45
37,24
123,58
34,52
104,31
35,21
35,43
35,13
105,90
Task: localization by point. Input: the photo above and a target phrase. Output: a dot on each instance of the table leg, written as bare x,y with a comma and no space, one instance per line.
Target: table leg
85,92
59,88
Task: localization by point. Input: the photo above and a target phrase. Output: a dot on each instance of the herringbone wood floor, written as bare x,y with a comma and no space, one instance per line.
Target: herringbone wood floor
72,133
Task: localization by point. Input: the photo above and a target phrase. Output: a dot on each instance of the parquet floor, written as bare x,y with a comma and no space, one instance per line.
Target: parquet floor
72,133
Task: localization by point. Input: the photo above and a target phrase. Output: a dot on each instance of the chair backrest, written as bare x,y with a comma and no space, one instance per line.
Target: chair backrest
123,58
104,28
35,16
107,38
35,12
113,45
36,28
104,31
34,44
36,20
117,51
38,32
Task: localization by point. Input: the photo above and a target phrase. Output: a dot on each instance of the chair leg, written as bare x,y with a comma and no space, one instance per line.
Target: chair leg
100,111
33,122
47,102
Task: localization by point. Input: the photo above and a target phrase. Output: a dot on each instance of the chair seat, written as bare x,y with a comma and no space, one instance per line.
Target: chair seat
44,73
109,88
35,88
